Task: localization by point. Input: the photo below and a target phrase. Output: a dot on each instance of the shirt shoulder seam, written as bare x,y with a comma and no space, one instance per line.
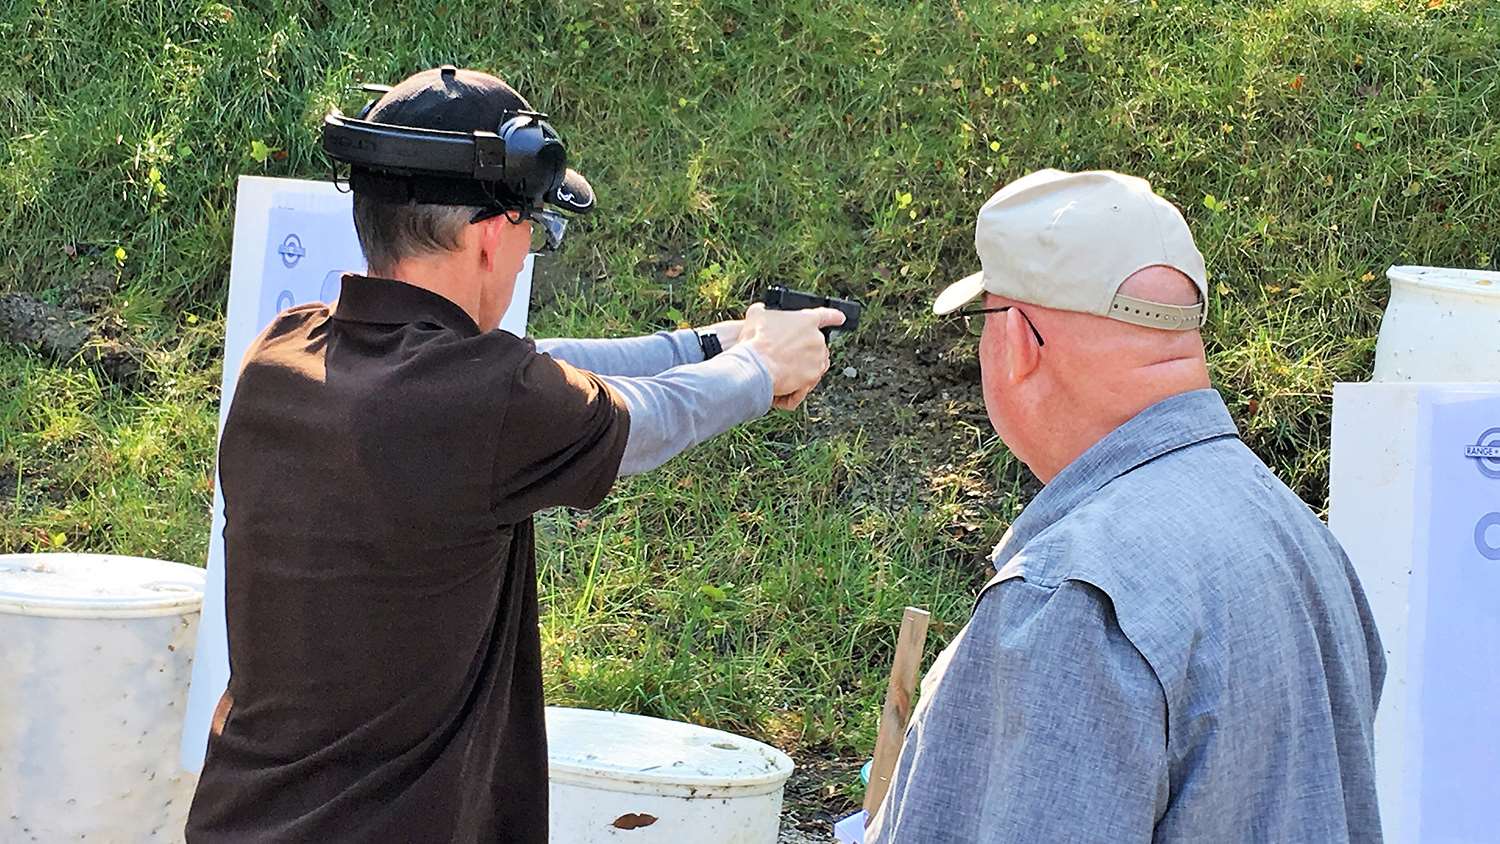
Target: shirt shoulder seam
1114,613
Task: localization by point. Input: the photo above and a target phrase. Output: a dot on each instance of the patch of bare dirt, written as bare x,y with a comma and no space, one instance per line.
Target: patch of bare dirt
820,792
908,398
74,331
7,485
917,409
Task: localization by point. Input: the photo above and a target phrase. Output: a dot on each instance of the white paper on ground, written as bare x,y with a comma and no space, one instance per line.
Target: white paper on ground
292,239
1453,732
851,830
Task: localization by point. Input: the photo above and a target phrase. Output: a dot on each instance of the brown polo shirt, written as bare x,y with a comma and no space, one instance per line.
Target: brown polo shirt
380,465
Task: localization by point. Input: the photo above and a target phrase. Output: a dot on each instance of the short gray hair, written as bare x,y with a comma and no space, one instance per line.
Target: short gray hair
390,233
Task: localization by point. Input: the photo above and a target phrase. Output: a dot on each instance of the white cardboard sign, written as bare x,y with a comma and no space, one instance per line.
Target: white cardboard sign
1453,715
292,239
1416,515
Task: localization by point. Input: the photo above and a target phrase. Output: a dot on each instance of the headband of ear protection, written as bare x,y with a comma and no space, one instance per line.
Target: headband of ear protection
520,164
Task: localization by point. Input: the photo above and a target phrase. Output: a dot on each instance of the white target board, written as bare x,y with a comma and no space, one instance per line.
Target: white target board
292,240
1415,501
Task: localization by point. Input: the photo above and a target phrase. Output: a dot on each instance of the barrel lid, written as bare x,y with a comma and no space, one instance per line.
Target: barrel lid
96,585
1450,278
593,745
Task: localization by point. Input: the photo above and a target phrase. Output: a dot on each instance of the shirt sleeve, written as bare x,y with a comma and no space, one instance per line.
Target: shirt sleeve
687,405
651,354
1041,722
561,439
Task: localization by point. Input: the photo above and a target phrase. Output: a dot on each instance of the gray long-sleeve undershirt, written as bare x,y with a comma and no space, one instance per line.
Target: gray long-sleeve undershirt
675,398
633,357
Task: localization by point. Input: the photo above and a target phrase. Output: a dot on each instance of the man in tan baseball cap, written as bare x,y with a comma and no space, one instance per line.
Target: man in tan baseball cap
1174,647
1069,240
1062,250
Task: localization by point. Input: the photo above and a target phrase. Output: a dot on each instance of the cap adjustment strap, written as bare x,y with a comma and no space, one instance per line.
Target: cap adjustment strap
1156,314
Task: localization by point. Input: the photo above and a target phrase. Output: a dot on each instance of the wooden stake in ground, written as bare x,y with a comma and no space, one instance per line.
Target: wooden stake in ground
897,711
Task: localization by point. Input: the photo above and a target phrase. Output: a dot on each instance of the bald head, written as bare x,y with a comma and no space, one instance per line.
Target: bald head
1050,403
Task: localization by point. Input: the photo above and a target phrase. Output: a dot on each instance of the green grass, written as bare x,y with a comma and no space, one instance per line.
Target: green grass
838,145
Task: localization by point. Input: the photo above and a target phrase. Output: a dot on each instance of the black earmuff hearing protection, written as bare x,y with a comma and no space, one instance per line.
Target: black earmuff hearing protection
521,163
535,158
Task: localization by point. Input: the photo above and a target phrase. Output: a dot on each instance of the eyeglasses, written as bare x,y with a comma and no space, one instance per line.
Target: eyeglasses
547,227
974,320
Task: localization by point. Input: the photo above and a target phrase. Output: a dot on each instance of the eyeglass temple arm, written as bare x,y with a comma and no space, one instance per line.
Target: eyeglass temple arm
973,312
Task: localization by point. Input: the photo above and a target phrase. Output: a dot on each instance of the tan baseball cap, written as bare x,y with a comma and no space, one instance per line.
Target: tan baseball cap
1069,240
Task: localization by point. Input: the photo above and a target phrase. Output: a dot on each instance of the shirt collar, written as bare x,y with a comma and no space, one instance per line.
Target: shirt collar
1172,423
387,301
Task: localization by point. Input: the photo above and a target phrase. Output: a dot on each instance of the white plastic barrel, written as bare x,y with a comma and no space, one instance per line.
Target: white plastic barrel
1441,325
627,778
95,654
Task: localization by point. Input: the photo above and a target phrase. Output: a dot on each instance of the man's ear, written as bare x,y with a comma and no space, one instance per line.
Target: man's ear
1022,355
488,233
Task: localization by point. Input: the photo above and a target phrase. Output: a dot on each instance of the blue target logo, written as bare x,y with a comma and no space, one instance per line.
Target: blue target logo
1487,549
291,251
1486,453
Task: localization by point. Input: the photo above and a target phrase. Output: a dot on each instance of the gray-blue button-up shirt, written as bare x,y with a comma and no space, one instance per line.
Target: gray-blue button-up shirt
1174,648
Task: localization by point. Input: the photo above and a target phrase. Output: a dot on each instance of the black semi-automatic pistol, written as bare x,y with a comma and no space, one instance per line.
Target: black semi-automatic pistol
779,298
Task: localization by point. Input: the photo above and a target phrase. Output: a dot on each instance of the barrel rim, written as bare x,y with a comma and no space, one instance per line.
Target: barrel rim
175,601
1446,278
698,785
623,783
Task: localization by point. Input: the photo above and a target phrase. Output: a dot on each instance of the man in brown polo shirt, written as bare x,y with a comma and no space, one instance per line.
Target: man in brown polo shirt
380,464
